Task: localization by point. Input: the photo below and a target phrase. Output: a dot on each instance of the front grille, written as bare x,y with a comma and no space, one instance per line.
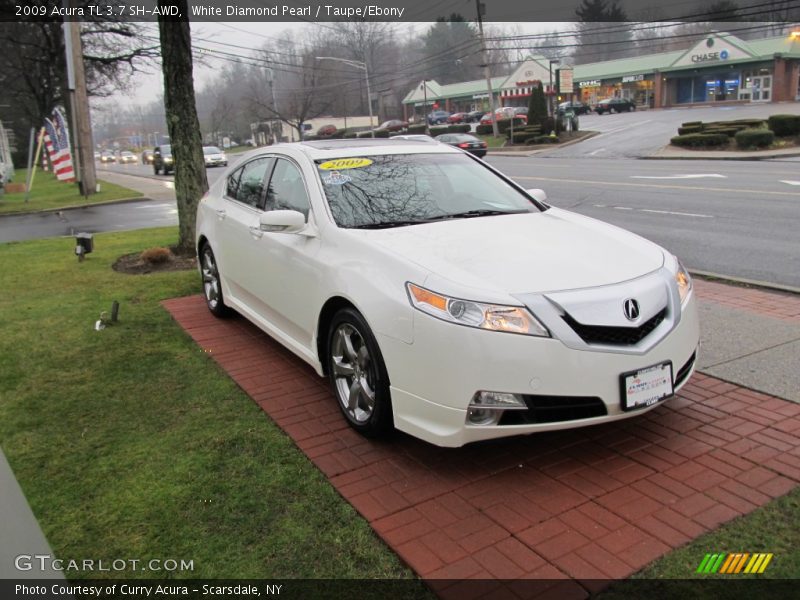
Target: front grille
615,336
554,409
684,371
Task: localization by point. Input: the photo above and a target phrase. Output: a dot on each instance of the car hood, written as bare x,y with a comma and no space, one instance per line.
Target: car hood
523,253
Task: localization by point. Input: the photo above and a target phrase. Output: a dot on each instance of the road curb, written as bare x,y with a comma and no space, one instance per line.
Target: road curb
695,157
75,207
501,152
742,281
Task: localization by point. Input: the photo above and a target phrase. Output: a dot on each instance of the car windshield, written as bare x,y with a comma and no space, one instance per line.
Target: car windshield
211,150
393,190
166,149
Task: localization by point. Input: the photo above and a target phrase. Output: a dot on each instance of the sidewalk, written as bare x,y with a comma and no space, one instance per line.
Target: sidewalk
673,153
19,531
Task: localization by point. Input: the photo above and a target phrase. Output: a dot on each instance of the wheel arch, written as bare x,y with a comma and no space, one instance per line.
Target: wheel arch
332,305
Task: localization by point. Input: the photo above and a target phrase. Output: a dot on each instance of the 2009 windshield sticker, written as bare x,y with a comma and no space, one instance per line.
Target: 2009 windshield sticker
345,163
336,178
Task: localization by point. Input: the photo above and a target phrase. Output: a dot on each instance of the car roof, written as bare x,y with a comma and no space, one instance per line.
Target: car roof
321,149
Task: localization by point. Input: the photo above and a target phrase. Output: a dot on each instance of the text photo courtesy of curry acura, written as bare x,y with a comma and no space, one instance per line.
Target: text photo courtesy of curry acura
441,298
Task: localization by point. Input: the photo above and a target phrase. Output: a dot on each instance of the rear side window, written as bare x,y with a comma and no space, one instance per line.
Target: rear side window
233,184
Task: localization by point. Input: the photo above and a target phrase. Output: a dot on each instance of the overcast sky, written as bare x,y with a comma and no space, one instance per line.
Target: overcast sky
148,86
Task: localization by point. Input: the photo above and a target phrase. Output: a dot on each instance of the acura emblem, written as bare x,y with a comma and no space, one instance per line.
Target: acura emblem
631,309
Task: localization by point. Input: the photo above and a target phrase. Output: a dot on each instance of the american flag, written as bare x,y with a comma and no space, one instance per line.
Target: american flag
56,139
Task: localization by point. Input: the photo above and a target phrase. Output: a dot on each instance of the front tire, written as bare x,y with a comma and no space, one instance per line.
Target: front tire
358,374
212,284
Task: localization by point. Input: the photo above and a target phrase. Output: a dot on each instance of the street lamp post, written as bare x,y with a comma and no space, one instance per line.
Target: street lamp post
554,61
425,105
360,65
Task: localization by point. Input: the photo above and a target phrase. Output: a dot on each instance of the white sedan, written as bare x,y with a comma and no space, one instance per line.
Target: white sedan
441,298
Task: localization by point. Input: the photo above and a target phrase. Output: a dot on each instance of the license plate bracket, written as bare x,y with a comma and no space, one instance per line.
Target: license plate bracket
647,386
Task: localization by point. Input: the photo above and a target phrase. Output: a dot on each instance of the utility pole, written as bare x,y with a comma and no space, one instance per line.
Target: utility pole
481,8
79,104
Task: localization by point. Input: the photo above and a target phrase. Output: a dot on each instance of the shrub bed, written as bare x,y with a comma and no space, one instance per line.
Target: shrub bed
690,129
754,138
458,128
483,130
784,125
439,130
700,140
416,129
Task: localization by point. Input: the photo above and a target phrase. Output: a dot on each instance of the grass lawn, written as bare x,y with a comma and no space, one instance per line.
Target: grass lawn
48,192
131,443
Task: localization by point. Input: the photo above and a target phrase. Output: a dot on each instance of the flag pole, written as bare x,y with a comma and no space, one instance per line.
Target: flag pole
32,169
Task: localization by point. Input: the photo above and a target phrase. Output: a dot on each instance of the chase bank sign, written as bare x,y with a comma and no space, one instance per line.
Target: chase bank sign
710,56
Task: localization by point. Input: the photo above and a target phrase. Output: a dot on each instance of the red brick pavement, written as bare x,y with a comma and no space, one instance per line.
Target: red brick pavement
767,303
589,504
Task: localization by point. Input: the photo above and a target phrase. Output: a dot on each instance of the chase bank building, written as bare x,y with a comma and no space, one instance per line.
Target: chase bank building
724,68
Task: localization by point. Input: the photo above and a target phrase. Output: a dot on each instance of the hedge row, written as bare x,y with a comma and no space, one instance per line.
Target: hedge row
754,138
699,140
729,128
785,125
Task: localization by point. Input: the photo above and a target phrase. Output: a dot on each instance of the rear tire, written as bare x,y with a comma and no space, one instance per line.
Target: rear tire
358,374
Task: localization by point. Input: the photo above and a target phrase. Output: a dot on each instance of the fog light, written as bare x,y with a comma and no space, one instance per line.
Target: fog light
498,400
487,408
480,416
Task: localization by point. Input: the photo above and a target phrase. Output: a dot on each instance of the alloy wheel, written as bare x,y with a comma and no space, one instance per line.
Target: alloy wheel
210,279
353,373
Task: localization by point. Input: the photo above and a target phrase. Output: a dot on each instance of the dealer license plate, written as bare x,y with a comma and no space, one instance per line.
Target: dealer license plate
646,386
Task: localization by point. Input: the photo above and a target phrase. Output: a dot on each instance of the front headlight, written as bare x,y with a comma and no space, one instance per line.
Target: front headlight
684,281
494,317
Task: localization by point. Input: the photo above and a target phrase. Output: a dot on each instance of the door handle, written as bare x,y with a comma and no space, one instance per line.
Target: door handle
220,213
256,232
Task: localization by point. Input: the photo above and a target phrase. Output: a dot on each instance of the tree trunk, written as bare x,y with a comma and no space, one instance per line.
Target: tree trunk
184,128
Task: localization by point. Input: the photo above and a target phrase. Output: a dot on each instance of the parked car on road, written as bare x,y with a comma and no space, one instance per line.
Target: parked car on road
326,130
493,313
610,105
458,117
162,159
502,114
214,157
579,108
464,141
394,125
437,117
126,156
475,116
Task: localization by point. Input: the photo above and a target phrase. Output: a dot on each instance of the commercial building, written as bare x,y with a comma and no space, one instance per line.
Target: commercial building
720,68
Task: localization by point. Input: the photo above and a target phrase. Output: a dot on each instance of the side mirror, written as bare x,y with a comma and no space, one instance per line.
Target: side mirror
282,221
538,194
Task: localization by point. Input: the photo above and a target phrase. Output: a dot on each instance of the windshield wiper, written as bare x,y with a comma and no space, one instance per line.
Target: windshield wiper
387,224
477,213
462,215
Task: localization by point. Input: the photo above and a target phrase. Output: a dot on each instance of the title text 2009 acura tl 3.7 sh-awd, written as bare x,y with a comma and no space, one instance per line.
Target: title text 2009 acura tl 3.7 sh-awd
438,296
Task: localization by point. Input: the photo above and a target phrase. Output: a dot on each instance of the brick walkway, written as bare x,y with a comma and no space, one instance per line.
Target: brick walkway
778,305
589,504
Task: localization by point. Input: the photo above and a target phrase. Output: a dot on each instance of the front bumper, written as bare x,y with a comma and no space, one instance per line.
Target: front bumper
434,379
